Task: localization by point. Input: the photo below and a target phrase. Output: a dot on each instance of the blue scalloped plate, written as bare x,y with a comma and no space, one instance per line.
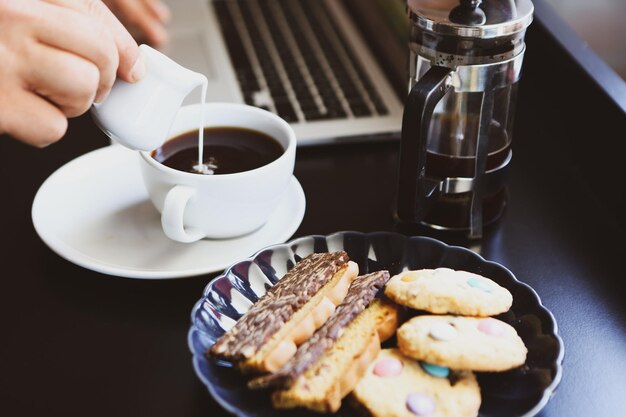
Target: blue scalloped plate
521,392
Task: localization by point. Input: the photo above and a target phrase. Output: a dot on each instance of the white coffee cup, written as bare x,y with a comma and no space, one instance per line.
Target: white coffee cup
195,206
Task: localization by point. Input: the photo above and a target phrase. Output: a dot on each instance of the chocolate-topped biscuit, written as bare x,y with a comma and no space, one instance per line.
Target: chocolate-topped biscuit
334,375
291,300
361,293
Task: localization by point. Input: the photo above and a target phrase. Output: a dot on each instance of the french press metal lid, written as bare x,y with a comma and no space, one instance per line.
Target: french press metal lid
464,64
486,19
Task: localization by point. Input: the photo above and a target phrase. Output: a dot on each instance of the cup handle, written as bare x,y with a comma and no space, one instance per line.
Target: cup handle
414,189
172,215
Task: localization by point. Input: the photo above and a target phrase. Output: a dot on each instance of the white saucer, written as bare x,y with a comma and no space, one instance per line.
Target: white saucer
95,212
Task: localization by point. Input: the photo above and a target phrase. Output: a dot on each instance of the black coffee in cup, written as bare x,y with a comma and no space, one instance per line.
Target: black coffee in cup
227,150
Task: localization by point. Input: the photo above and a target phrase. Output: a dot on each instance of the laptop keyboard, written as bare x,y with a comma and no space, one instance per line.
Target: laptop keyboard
290,58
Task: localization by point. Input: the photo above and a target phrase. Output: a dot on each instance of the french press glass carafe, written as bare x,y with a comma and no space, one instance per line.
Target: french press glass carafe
464,65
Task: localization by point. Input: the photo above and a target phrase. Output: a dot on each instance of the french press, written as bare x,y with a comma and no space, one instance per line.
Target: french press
464,65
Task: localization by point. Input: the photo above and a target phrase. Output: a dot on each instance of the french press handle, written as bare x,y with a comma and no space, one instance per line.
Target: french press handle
414,189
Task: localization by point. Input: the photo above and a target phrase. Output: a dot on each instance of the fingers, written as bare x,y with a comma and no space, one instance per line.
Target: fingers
130,68
148,16
84,37
58,55
31,118
74,90
160,10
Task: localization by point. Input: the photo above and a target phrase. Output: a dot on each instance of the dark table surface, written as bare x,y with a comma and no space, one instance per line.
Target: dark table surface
79,343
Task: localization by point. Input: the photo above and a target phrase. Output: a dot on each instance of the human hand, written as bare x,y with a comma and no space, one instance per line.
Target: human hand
58,56
144,18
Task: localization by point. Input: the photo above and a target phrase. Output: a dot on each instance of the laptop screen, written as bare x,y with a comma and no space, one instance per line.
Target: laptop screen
385,26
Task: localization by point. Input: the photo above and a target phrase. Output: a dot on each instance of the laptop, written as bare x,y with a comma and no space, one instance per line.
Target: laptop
334,69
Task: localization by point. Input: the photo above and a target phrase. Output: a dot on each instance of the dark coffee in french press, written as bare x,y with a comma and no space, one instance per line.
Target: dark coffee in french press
464,65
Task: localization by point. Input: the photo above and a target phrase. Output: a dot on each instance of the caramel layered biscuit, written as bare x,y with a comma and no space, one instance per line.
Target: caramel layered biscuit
329,365
267,336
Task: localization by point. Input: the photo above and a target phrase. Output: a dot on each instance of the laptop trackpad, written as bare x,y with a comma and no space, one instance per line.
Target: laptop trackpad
190,51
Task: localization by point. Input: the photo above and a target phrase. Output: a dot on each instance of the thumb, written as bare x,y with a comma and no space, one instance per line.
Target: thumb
131,64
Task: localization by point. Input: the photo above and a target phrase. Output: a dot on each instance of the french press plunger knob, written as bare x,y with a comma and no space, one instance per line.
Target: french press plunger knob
468,13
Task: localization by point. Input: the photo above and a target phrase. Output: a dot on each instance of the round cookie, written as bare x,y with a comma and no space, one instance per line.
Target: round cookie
396,385
446,291
462,343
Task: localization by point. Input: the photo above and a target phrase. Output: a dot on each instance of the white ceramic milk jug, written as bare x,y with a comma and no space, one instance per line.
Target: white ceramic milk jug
139,115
